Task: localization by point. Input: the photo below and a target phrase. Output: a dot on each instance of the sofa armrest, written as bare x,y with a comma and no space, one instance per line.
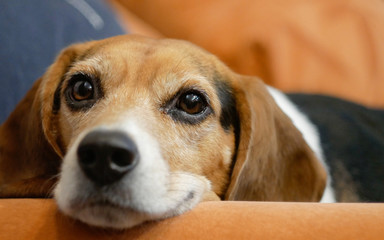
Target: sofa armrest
39,219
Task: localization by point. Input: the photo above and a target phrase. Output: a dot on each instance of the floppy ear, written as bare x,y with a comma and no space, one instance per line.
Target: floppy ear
30,146
273,162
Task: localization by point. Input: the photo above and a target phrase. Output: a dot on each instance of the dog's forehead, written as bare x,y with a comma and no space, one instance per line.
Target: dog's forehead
155,63
143,50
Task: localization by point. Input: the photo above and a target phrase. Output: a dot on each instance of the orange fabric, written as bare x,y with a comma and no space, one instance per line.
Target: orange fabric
39,219
331,47
132,23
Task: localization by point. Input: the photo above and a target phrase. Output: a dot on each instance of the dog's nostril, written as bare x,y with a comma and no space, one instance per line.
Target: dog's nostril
106,156
122,158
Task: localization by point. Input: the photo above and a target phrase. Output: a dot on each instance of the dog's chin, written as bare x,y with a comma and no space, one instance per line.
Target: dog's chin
107,215
120,208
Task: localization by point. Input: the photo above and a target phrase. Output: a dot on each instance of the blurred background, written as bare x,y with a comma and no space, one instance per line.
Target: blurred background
332,47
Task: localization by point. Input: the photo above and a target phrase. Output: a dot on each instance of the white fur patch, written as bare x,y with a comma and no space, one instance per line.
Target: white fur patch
310,134
150,191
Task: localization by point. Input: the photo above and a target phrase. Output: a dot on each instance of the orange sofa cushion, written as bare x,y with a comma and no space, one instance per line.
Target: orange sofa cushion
39,219
330,47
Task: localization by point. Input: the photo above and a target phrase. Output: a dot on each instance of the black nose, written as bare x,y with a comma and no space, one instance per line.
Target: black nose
106,156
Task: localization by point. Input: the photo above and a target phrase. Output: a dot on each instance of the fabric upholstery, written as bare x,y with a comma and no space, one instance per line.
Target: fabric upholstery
39,219
329,47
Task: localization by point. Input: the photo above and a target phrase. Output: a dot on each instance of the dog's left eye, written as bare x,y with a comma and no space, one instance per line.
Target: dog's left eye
188,106
191,103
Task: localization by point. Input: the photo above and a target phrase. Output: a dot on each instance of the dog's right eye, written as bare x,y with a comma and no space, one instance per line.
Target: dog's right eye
82,92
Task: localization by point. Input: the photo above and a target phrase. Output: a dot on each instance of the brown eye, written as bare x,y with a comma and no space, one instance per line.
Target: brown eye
82,90
191,103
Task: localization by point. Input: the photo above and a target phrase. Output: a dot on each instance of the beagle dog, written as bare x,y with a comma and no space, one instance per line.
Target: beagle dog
130,129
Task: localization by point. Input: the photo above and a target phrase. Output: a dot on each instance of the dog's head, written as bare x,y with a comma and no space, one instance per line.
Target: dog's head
146,129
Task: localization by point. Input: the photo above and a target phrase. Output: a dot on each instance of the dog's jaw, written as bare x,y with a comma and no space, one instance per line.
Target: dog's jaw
151,191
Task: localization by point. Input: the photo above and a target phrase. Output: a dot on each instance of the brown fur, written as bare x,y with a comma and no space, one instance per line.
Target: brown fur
274,163
138,75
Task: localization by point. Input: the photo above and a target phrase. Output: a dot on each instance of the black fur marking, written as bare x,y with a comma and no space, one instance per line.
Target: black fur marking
229,116
57,97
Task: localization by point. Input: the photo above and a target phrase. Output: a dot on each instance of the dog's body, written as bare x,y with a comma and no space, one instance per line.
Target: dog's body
145,129
352,140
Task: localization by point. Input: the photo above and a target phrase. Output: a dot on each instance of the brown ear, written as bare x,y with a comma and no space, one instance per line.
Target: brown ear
30,147
273,161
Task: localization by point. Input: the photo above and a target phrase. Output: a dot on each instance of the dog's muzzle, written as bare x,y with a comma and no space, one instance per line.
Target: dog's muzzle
106,156
117,177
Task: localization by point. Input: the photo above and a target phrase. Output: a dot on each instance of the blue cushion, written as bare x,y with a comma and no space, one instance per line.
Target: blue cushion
33,32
